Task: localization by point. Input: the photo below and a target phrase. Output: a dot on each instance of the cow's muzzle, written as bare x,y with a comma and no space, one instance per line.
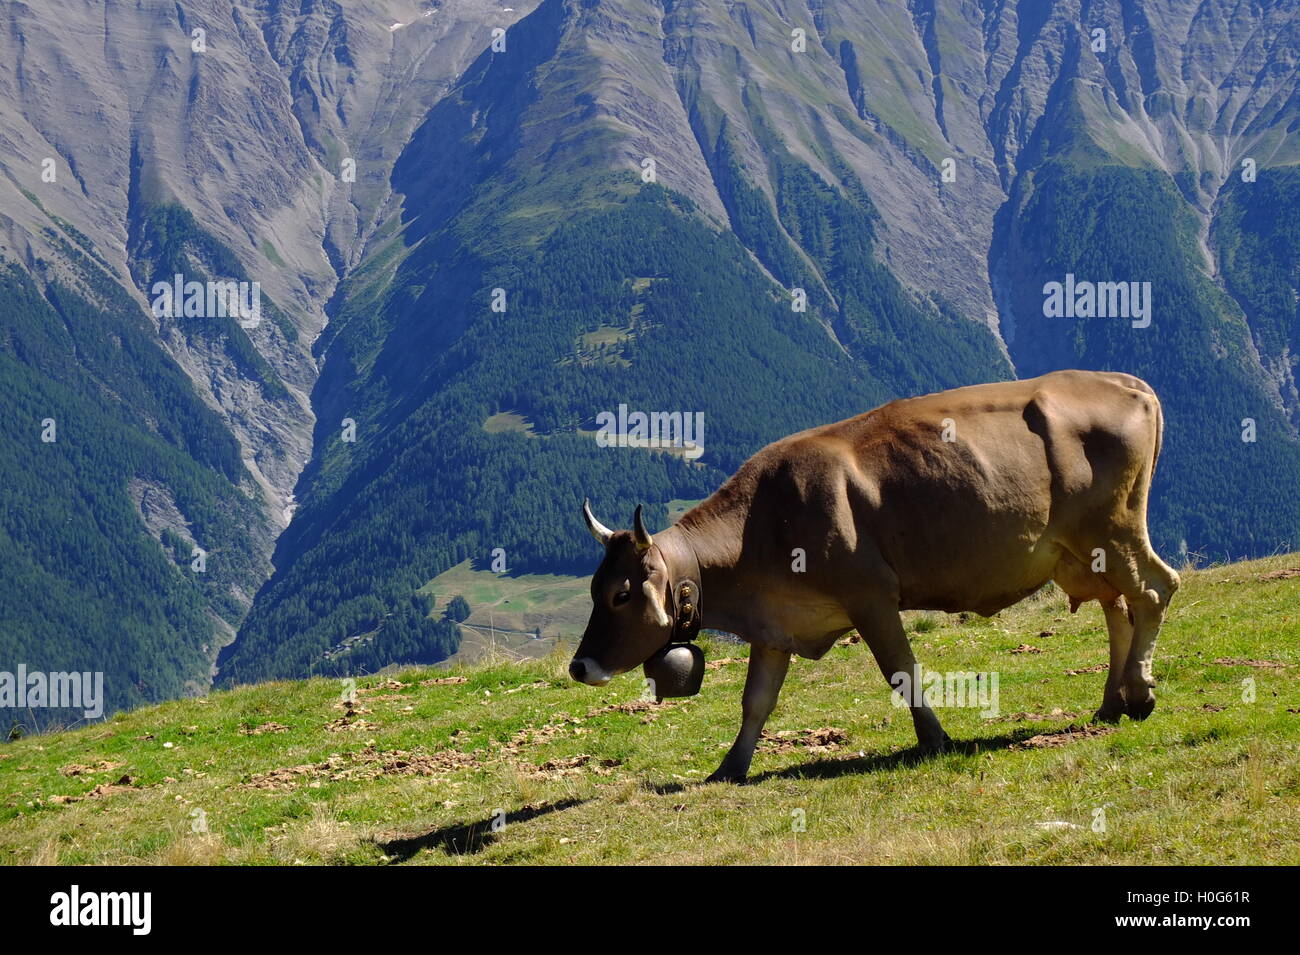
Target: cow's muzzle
588,671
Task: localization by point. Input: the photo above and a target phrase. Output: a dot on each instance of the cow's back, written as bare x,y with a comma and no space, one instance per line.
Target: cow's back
967,496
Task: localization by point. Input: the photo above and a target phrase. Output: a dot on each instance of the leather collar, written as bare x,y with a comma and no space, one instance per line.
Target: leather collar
686,596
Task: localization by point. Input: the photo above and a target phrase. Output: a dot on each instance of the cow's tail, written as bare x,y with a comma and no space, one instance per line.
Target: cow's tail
1142,386
1160,434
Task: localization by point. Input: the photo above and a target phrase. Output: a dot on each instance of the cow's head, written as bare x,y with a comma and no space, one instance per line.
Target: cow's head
630,621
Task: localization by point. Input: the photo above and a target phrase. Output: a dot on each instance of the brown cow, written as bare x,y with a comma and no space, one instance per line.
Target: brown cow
969,499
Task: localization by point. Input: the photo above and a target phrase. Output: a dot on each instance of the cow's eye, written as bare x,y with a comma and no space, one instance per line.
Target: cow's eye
622,597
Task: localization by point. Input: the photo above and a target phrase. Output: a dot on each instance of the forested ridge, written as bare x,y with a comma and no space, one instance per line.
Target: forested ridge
1222,489
424,487
84,585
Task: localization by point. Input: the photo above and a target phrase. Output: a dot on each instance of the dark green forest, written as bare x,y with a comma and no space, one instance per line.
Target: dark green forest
83,585
1257,236
424,487
1215,495
407,633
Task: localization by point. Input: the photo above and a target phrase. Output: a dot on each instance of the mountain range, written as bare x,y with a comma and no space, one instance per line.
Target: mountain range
476,228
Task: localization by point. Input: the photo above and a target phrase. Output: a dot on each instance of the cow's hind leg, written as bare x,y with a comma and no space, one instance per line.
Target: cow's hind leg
1120,625
1131,568
1081,584
882,629
1148,584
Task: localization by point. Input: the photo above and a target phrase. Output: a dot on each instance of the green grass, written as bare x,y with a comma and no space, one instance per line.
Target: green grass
604,335
1208,778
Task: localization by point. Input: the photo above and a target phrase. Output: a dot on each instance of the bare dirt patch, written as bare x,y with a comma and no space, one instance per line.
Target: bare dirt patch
1260,664
1286,574
121,785
262,730
1064,737
633,706
368,763
80,769
822,740
348,724
536,735
574,765
445,681
652,710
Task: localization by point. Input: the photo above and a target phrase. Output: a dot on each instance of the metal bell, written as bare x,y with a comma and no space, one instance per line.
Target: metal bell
676,670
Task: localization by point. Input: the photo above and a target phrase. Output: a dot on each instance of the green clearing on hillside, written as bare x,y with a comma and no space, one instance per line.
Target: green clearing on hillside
417,770
506,611
504,421
518,616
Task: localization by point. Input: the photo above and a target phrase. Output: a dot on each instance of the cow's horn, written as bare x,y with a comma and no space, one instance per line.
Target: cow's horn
598,530
642,537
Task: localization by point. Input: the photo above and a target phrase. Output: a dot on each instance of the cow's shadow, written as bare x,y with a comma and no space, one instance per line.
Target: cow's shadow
473,837
467,838
869,763
876,762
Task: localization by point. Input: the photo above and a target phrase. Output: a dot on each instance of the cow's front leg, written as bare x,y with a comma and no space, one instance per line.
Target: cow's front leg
767,669
882,629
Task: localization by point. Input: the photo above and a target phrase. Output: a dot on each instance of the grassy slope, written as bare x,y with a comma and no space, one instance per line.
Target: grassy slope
1209,778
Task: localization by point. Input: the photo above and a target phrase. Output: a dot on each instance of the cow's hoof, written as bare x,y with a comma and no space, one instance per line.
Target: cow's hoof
937,747
724,775
1109,712
1140,705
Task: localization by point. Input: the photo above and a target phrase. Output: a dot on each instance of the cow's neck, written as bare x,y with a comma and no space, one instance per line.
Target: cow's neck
710,543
